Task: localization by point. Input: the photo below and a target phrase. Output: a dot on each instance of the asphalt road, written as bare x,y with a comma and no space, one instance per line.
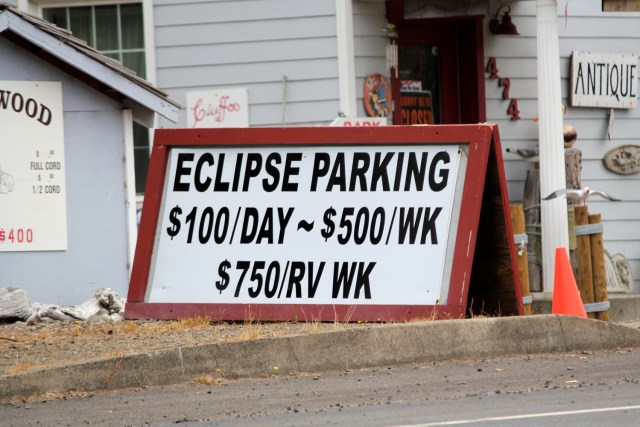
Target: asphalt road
589,388
594,406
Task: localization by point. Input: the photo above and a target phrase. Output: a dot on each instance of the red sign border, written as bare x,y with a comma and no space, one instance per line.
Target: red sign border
481,139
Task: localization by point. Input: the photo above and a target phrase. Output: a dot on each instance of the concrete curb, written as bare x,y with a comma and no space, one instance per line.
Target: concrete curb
418,342
623,307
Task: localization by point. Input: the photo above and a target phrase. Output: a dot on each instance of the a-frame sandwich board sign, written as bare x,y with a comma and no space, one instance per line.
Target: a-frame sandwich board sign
330,224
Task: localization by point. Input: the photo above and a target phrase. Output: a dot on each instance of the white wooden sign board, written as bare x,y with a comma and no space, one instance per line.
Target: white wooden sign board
33,215
222,108
305,224
604,80
327,223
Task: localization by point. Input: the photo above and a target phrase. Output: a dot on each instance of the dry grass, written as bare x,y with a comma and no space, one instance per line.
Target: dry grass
207,379
210,379
33,346
249,329
79,330
338,322
198,322
483,314
315,324
28,347
125,328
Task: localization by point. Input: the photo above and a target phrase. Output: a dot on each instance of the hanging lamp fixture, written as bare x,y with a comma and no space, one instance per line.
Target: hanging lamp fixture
503,25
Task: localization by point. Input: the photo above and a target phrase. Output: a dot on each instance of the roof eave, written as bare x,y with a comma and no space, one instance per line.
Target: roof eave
76,59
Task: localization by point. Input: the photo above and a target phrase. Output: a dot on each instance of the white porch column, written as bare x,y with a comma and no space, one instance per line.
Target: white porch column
552,168
346,58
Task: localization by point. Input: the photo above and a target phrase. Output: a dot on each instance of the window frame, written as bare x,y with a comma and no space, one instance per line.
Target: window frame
37,8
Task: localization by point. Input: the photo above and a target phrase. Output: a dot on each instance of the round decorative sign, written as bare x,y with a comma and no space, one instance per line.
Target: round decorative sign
377,96
623,160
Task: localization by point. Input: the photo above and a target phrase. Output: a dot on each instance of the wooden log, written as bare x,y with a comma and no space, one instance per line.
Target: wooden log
573,174
599,273
517,217
573,167
532,218
573,241
585,272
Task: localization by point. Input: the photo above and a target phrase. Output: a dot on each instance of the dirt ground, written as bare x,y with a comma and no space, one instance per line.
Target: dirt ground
24,347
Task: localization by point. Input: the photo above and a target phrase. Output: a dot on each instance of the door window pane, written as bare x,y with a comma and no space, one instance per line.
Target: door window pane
419,84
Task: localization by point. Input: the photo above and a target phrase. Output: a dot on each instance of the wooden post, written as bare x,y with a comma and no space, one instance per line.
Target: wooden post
599,273
532,222
585,272
517,217
573,241
573,167
573,172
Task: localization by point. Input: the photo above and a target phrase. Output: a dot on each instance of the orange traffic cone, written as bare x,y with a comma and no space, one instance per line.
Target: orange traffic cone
566,297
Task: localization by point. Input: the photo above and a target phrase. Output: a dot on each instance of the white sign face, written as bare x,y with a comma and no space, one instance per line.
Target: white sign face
410,85
33,215
306,225
224,108
360,122
605,80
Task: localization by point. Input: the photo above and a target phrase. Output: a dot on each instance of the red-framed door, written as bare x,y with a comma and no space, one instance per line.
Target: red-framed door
440,66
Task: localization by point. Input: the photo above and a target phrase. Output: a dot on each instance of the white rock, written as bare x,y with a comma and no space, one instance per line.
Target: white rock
14,304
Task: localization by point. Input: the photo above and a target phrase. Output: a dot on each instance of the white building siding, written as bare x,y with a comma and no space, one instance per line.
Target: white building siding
585,28
263,45
283,51
368,21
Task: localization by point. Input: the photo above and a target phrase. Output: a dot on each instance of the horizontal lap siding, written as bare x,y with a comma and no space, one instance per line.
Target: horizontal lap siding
585,28
253,44
368,21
